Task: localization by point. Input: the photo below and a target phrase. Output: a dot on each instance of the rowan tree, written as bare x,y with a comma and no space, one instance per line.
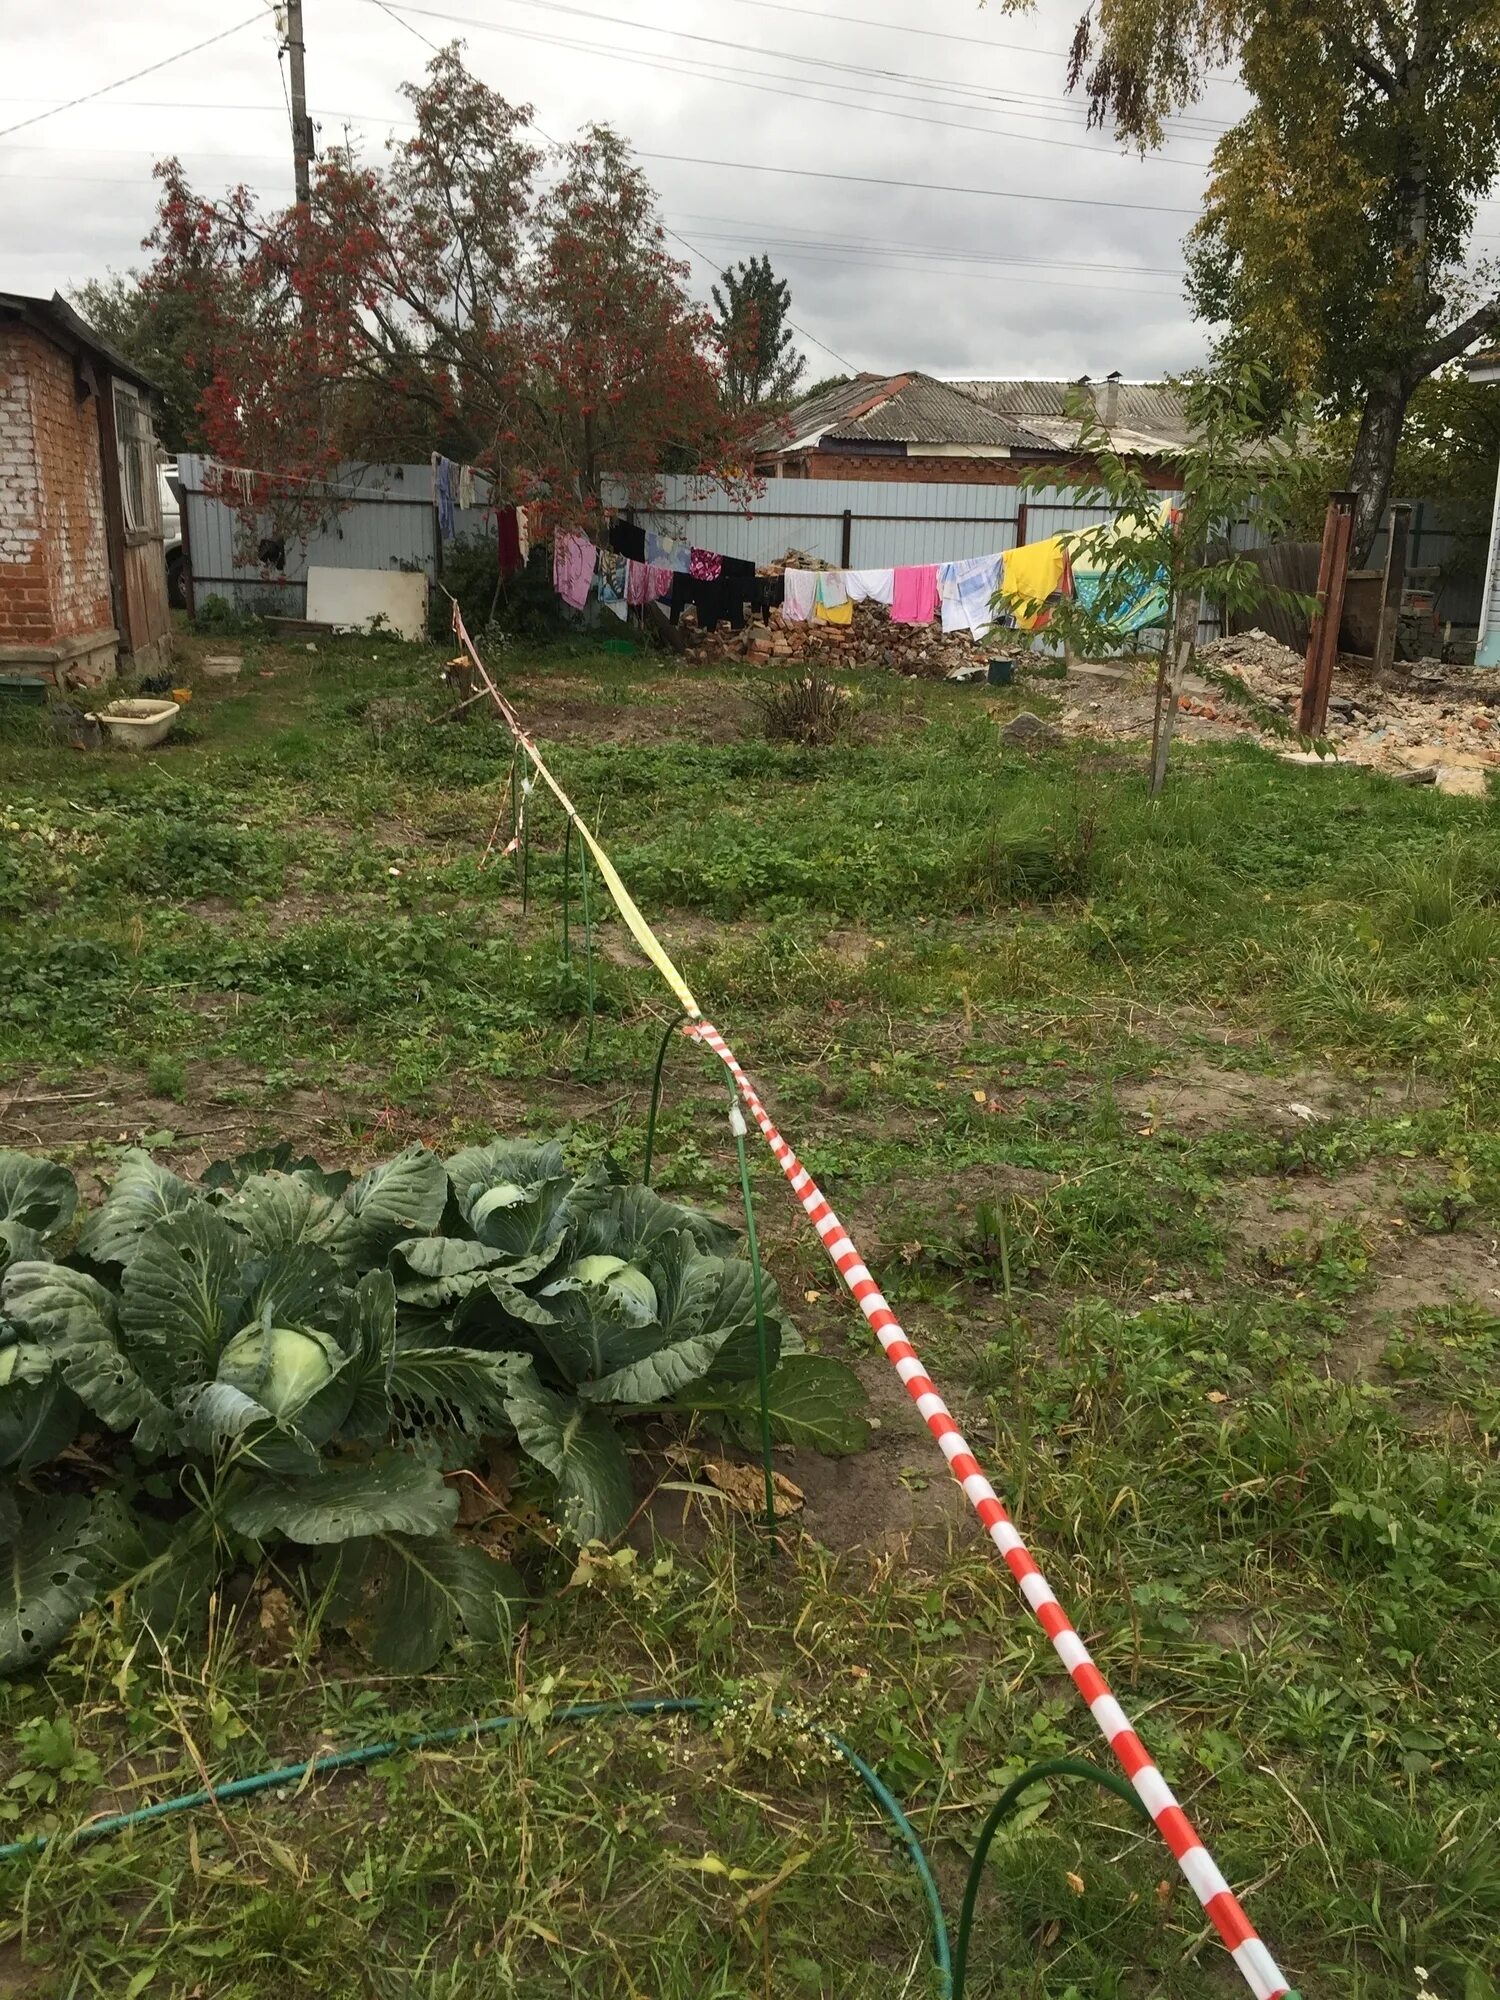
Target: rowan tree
537,329
1337,229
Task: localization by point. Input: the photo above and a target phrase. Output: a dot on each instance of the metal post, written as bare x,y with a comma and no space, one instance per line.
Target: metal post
1323,639
846,544
1397,543
302,132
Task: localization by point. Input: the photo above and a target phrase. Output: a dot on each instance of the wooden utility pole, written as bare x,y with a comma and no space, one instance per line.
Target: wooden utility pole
302,131
1323,639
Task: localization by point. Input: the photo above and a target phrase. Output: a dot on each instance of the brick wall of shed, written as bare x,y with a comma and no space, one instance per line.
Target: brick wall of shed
958,471
54,549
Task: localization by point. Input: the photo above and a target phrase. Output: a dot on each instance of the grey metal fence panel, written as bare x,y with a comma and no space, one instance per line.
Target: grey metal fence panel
379,517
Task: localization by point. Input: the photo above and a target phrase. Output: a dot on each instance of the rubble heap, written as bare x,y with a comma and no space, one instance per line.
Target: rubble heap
868,640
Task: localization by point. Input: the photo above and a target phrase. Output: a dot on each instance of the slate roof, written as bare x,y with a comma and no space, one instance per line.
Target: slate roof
910,408
1149,416
57,319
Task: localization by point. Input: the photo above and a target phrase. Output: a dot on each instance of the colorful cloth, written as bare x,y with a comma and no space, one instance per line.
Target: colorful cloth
466,486
1141,600
1032,573
966,588
573,559
612,580
508,540
666,552
831,605
914,594
442,494
800,588
523,534
873,586
705,565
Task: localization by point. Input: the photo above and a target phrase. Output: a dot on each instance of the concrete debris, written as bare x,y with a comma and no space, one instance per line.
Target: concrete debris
1029,731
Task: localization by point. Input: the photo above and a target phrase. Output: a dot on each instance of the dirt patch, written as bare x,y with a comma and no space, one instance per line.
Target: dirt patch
705,710
1196,1095
1272,1209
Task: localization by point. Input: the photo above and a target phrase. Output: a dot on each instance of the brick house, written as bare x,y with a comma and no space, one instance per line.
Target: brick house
83,588
914,427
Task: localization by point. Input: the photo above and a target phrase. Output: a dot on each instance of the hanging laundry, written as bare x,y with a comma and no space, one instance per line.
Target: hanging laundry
767,594
508,539
914,595
705,565
442,494
713,598
873,586
523,535
612,582
1032,573
666,552
965,588
637,582
573,558
799,588
628,540
466,486
831,604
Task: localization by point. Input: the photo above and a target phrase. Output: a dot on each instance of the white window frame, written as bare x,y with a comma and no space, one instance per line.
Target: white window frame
135,442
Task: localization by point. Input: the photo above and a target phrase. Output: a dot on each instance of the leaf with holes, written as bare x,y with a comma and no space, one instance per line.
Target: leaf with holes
582,1450
390,1494
815,1401
405,1196
49,1576
38,1194
143,1195
405,1599
73,1315
182,1298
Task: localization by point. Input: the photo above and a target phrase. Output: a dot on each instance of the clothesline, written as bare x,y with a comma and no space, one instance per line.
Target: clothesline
640,565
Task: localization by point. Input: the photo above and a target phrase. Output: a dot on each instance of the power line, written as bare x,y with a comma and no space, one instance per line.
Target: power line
135,75
925,187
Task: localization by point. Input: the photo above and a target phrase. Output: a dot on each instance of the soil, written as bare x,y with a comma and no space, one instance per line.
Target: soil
1196,1095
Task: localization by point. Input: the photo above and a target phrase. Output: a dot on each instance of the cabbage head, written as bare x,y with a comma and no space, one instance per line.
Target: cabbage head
281,1367
624,1285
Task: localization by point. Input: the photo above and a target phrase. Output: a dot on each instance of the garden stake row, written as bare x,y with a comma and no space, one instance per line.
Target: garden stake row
1238,1935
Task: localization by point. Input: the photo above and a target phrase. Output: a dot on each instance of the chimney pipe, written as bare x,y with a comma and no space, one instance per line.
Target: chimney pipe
1109,416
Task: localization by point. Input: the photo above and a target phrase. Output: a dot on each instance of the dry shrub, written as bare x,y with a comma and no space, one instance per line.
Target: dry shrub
807,710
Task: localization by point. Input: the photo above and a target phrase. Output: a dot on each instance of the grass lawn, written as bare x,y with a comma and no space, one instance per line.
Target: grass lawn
1173,1134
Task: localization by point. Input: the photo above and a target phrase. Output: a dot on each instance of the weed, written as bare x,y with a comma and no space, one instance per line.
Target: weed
808,710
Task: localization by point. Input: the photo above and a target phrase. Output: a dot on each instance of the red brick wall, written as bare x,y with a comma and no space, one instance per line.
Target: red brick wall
961,471
54,554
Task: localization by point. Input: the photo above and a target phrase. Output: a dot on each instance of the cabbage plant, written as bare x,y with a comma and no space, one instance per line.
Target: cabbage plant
303,1355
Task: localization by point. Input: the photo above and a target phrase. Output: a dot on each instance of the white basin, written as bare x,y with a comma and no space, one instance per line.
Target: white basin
139,725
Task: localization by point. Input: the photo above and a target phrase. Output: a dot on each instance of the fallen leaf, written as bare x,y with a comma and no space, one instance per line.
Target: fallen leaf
910,1252
1075,1883
744,1487
1164,1893
812,1297
978,1096
1052,1932
1217,1396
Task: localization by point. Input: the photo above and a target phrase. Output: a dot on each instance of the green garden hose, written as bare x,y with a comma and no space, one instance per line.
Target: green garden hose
951,1967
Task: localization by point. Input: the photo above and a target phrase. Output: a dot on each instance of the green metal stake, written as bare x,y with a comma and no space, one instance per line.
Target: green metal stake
567,882
588,950
737,1126
525,846
661,1057
1004,1806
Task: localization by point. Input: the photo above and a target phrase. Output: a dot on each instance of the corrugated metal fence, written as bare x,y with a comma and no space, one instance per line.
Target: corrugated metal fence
879,523
379,517
382,517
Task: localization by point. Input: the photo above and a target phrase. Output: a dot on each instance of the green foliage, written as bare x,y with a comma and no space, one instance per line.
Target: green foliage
760,363
807,710
303,1349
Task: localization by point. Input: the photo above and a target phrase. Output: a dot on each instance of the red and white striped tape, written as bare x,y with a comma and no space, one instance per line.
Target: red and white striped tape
1260,1970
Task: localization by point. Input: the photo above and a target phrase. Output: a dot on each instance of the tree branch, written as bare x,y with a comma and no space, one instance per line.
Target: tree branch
1448,346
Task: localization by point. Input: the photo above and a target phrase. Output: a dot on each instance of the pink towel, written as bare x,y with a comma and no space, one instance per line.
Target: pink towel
644,583
914,598
573,558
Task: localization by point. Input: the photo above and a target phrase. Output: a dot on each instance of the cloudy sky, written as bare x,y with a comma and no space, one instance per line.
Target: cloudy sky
1068,260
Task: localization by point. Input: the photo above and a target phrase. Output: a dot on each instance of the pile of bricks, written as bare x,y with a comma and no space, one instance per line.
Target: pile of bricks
869,640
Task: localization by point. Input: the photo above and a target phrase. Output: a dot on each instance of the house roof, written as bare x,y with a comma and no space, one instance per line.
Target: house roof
1483,365
57,320
909,408
1148,417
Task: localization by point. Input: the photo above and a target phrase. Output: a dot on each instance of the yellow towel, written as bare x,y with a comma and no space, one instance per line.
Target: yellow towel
834,614
1031,575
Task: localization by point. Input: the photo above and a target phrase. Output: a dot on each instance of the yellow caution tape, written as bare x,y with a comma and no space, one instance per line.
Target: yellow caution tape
624,902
